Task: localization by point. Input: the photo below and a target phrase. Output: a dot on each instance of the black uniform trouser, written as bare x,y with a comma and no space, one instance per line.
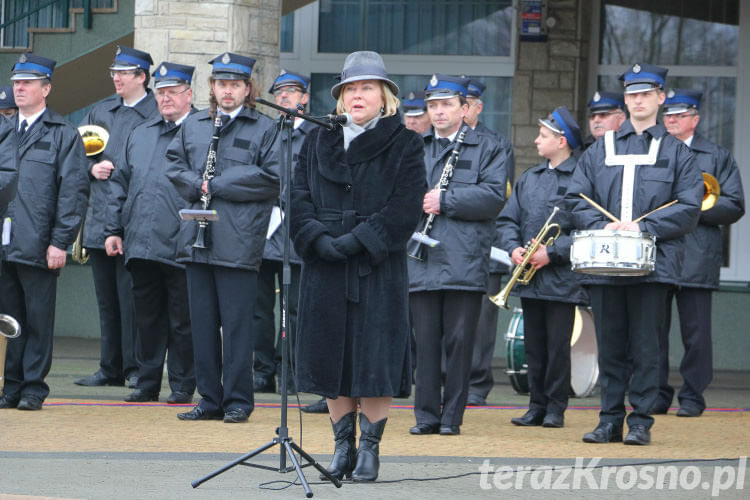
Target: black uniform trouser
160,298
696,367
28,294
547,329
481,380
222,300
114,294
628,319
443,318
267,361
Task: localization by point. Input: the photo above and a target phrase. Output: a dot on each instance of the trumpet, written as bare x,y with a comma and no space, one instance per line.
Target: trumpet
9,328
711,191
523,272
95,139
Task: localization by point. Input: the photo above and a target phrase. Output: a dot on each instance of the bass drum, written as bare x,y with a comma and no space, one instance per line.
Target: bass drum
516,355
584,368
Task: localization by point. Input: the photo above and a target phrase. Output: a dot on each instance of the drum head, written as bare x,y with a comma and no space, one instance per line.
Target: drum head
584,366
516,356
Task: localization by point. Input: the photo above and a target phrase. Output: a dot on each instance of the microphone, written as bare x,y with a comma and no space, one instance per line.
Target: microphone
344,119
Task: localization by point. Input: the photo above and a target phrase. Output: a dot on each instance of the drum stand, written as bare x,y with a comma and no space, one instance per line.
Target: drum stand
286,444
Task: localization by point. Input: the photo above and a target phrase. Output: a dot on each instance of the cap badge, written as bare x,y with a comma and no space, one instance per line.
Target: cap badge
22,59
283,72
3,95
670,94
597,97
163,70
119,51
433,81
225,59
411,96
636,68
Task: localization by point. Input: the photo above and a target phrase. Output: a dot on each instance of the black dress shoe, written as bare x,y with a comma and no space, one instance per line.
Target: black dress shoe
553,420
659,409
179,398
638,434
98,379
450,430
199,413
262,384
236,416
689,411
141,396
421,429
8,402
131,381
605,432
529,419
317,407
475,400
30,403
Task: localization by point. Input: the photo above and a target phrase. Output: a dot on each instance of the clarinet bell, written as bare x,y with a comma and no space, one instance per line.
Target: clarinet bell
417,251
201,239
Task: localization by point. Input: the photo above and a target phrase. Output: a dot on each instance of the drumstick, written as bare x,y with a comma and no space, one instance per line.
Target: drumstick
639,219
600,208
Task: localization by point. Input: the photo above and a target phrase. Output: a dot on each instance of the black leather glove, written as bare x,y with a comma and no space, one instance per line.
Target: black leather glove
348,244
326,250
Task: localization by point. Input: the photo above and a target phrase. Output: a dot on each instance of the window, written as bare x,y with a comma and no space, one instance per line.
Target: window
441,27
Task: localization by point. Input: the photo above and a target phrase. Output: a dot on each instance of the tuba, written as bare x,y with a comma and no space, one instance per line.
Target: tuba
523,272
711,192
95,139
9,329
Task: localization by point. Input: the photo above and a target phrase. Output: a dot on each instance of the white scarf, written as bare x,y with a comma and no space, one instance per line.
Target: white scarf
353,130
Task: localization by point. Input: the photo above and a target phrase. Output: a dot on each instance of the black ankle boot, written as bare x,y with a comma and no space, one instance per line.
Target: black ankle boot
344,433
368,461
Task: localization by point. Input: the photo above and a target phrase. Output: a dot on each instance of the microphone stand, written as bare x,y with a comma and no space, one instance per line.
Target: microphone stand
285,442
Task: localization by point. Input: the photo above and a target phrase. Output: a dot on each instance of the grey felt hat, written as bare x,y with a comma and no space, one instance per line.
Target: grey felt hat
363,65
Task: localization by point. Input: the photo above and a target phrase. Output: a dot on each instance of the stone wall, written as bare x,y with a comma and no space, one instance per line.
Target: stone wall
551,74
194,32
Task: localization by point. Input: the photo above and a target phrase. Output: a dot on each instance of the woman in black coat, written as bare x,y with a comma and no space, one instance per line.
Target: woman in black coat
356,200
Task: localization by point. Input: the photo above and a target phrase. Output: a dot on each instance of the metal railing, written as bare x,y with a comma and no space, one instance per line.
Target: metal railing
17,16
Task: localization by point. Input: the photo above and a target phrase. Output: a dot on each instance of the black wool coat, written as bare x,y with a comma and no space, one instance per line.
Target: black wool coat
353,328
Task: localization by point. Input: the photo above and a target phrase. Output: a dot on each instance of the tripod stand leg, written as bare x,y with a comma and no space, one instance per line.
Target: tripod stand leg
243,458
315,464
300,475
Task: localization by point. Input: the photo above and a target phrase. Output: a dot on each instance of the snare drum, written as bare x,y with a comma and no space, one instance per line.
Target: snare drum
613,253
584,369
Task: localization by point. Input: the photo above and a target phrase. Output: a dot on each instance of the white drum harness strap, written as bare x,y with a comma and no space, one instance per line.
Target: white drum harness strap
628,163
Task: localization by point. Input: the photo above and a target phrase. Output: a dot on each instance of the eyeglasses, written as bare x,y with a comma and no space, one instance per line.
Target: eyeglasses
161,94
122,72
288,90
680,115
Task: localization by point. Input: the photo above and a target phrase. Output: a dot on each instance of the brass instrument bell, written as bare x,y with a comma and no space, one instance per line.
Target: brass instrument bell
94,138
711,191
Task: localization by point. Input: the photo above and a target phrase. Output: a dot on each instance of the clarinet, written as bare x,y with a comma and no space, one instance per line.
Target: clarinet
418,252
202,238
